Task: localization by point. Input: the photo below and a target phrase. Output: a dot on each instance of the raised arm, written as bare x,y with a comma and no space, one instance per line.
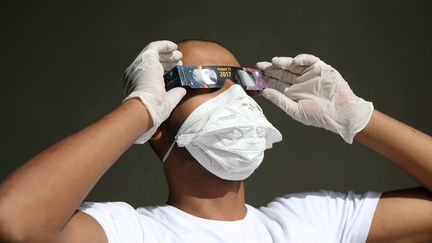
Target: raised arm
39,199
314,93
407,147
404,215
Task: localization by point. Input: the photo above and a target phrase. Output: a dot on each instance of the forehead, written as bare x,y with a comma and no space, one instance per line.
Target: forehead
200,53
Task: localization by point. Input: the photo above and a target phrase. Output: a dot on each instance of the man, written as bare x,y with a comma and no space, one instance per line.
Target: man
39,201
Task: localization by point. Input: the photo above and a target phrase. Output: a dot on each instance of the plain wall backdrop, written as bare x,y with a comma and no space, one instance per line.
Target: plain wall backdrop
62,64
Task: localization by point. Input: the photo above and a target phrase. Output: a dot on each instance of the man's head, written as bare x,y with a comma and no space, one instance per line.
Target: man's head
199,52
195,53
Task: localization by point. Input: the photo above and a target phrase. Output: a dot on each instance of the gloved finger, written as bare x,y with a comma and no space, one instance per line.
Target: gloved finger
281,101
174,96
277,84
170,56
310,73
303,91
167,66
263,65
278,73
163,46
282,62
272,71
297,64
286,63
305,60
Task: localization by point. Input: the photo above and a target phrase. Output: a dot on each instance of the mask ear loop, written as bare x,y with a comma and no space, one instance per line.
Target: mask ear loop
168,151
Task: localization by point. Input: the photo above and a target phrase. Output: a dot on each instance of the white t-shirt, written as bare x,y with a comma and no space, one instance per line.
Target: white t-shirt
323,216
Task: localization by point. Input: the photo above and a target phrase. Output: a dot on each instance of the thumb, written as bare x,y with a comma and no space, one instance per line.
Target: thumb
174,96
284,103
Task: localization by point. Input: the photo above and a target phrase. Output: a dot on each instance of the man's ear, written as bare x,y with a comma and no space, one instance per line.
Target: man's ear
159,141
157,136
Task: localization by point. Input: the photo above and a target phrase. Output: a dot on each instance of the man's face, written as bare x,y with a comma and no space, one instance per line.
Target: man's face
196,53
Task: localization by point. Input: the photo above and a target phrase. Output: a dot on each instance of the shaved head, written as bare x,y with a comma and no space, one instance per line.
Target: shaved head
200,53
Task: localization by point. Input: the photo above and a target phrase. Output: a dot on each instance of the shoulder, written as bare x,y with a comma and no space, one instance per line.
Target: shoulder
106,206
323,198
342,217
120,221
109,212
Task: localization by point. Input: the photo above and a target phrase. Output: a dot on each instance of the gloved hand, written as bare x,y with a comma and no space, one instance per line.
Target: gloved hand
315,94
144,79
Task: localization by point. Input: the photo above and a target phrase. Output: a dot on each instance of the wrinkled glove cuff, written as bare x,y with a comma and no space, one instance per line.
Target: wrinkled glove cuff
146,99
364,110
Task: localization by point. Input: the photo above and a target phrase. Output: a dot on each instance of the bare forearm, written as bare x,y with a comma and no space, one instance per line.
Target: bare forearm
409,148
46,190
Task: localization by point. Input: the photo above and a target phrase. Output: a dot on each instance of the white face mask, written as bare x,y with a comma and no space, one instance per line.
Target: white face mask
227,134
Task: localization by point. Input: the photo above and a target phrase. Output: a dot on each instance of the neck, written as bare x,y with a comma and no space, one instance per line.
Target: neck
214,199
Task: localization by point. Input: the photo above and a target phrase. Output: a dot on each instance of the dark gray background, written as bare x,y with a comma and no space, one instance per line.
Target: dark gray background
62,65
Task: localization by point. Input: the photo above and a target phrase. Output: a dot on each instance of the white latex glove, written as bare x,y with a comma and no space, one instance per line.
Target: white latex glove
315,94
144,79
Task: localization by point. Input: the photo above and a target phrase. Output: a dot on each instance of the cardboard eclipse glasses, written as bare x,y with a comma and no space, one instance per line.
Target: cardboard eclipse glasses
201,77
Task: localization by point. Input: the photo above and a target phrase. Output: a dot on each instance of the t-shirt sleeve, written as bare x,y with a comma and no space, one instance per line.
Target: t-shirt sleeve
118,220
336,217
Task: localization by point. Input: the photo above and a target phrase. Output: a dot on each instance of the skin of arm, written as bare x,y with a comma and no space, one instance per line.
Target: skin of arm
405,215
38,200
72,167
